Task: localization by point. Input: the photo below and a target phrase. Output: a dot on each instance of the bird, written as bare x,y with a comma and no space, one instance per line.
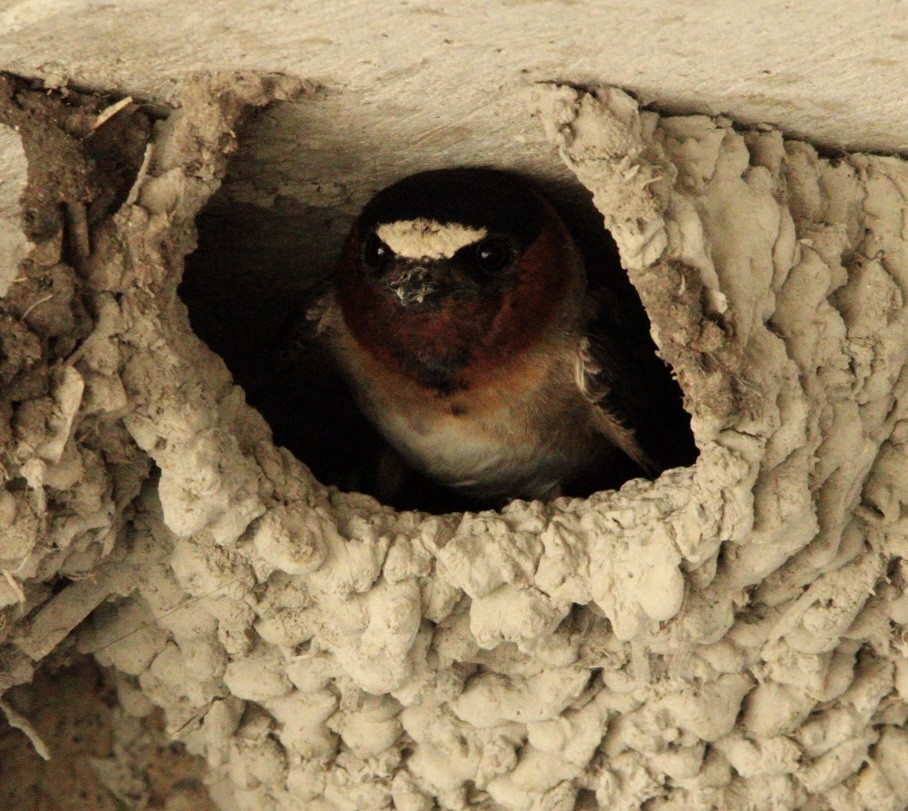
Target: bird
492,356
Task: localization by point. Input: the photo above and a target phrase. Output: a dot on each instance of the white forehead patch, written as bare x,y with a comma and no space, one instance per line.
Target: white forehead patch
427,239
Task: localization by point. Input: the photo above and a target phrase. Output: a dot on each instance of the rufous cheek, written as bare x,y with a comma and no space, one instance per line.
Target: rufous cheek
359,301
547,272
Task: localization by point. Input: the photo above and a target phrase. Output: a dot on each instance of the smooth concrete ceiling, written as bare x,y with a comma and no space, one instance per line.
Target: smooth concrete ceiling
831,71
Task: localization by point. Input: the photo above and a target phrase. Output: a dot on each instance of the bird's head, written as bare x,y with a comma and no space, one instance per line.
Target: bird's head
446,272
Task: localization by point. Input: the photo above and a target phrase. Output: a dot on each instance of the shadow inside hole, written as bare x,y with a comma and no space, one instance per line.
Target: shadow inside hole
247,278
254,269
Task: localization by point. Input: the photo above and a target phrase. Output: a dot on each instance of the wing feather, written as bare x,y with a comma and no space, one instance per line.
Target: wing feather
638,402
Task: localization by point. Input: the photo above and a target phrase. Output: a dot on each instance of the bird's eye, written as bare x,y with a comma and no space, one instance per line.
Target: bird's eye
494,254
375,253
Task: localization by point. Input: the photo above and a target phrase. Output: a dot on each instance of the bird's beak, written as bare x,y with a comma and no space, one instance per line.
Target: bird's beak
412,283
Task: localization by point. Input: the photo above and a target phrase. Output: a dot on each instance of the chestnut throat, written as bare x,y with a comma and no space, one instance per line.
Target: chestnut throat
438,345
447,346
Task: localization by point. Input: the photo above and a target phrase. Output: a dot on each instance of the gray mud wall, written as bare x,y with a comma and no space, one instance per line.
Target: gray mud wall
728,636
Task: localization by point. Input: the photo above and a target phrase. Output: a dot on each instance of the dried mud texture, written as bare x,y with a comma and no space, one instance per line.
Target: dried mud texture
729,636
101,758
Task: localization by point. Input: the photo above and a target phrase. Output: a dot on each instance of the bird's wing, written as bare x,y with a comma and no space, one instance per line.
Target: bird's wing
300,336
600,382
638,402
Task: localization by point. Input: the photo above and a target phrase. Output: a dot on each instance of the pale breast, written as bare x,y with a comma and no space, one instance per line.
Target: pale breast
505,438
519,431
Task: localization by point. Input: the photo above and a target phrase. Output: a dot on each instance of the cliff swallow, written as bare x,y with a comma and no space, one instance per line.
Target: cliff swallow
471,334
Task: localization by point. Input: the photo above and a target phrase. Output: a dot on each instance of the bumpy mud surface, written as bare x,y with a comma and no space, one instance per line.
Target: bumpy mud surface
728,636
80,169
102,758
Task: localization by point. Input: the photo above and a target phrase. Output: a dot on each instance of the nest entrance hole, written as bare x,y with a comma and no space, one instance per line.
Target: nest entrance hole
255,267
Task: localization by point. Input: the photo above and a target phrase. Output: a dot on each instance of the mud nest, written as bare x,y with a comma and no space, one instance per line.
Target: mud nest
729,635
